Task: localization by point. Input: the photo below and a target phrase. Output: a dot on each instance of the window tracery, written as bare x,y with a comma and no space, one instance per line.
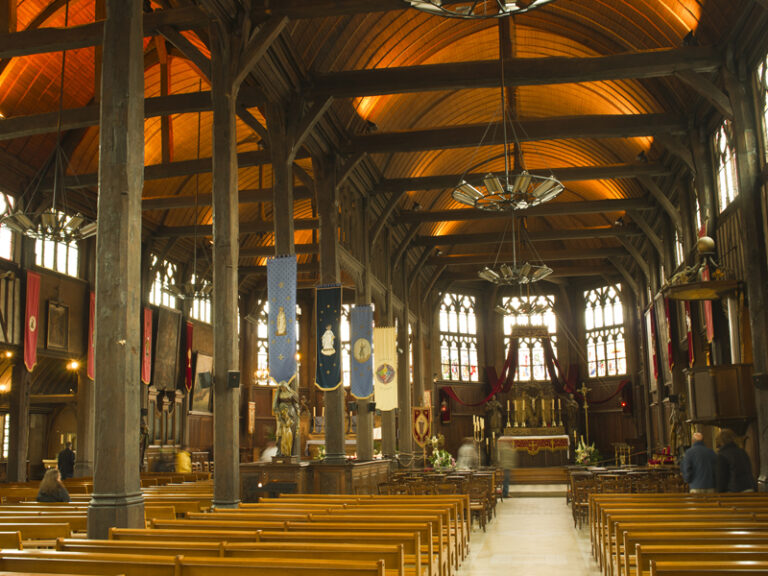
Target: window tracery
458,338
604,323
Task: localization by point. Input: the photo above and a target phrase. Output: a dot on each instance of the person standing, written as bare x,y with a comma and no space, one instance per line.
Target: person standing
66,461
734,470
698,466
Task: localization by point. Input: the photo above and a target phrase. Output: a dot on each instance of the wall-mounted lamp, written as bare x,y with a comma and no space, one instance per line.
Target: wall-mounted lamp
73,365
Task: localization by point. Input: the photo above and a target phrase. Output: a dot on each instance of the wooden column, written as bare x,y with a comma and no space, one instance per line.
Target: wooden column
704,177
328,216
405,443
85,423
226,228
753,241
18,441
388,432
8,16
117,499
282,153
364,414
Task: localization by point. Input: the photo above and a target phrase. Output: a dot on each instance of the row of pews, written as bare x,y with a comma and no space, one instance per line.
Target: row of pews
680,534
299,534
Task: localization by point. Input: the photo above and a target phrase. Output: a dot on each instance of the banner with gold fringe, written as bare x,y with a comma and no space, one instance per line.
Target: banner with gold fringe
328,314
281,292
385,368
361,352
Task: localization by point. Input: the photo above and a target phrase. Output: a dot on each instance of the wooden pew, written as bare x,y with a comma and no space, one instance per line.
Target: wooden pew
674,568
76,523
224,524
645,553
39,534
184,535
10,540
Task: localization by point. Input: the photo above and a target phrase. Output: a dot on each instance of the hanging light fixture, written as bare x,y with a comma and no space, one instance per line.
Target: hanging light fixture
516,191
476,9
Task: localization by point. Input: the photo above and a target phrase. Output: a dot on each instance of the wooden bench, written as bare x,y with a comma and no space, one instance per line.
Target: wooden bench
10,540
675,568
645,553
39,534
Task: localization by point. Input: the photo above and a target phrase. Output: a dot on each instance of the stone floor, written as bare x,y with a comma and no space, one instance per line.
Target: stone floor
530,536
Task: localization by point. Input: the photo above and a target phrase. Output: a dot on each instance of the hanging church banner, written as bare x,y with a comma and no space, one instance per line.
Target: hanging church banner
689,334
32,320
146,348
385,368
328,310
89,364
422,424
281,292
188,357
361,363
670,346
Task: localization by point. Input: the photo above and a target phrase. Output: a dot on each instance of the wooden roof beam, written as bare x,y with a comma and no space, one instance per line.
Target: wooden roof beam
268,250
555,128
545,256
300,9
543,236
255,227
247,196
518,72
549,209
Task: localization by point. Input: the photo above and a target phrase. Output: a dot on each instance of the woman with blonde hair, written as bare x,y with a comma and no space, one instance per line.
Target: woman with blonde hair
51,488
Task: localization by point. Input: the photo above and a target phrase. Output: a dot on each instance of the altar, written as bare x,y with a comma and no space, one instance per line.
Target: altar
537,451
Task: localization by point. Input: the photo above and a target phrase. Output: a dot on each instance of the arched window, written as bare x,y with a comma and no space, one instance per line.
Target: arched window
725,162
530,311
604,323
458,338
160,293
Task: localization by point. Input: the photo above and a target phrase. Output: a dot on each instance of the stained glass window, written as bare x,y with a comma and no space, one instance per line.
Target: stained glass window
160,294
201,301
58,253
530,354
458,338
604,323
725,162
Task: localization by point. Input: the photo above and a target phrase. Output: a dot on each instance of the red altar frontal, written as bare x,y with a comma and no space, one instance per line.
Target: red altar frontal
537,451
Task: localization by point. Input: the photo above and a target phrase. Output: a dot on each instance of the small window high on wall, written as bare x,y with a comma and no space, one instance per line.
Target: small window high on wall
458,338
725,164
6,236
530,353
57,253
604,323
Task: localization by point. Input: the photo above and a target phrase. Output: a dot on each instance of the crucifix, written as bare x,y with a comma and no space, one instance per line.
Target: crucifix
584,390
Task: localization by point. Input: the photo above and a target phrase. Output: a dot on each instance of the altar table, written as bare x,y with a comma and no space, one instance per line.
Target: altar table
538,451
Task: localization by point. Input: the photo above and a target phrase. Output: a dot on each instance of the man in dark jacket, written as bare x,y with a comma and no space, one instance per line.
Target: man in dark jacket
734,470
698,466
66,461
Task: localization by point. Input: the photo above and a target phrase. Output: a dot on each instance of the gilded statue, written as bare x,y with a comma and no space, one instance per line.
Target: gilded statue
285,405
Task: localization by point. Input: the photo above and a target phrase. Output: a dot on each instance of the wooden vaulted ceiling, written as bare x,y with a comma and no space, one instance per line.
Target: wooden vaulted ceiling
425,91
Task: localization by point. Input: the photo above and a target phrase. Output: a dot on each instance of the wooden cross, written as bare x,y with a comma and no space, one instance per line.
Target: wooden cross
584,390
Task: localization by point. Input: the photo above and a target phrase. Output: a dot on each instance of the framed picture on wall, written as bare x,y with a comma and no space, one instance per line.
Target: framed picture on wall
200,400
58,326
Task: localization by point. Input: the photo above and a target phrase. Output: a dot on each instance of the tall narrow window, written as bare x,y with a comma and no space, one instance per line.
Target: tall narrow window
58,253
6,434
725,161
458,338
6,236
604,322
160,293
530,311
679,249
762,95
201,301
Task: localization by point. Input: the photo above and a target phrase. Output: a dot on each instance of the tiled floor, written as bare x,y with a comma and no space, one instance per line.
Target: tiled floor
530,537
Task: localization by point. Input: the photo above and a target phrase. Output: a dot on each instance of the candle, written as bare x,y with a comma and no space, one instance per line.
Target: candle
533,402
314,411
507,405
559,406
323,412
553,404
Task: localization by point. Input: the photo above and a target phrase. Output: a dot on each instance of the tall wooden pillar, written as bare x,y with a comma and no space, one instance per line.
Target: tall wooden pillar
388,431
85,424
328,216
753,241
117,499
18,441
405,443
364,414
226,229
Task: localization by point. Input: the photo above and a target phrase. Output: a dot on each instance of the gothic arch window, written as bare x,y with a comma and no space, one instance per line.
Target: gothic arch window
58,251
725,163
530,355
458,338
161,294
604,323
201,301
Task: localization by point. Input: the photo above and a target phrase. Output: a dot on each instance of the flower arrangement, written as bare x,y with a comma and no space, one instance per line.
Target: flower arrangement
440,458
586,455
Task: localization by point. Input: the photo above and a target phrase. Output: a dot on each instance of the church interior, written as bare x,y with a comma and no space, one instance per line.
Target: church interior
455,265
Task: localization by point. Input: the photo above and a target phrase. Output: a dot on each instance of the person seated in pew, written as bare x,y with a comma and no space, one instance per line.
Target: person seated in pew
734,469
51,488
698,466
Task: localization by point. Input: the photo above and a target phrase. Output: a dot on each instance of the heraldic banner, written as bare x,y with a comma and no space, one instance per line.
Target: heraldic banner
385,368
422,424
188,356
281,291
146,354
361,362
328,308
32,324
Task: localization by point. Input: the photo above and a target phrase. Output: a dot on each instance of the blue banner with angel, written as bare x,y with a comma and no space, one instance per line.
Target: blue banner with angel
281,292
328,314
361,346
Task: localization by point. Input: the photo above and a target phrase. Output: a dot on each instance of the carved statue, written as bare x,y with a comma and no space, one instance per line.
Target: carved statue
494,415
285,406
571,414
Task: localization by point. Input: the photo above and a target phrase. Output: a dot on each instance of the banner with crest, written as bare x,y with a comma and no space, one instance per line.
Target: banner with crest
422,424
385,368
32,323
328,315
361,352
281,292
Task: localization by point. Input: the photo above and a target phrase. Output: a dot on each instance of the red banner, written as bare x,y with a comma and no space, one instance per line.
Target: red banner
32,320
91,321
670,347
188,358
146,356
652,315
689,335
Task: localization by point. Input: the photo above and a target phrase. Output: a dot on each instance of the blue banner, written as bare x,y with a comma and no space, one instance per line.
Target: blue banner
281,291
328,314
361,345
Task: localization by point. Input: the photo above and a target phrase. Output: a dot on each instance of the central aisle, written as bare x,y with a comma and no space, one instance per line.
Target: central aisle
531,537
